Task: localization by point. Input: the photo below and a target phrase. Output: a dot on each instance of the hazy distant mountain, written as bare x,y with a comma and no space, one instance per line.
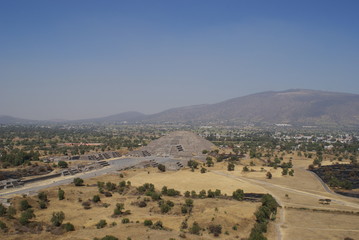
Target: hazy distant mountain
4,119
305,107
121,117
297,107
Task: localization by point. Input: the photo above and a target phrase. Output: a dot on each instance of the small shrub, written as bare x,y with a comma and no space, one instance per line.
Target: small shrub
238,195
24,205
142,204
96,198
68,227
57,218
215,229
161,167
11,212
157,225
78,182
2,210
148,223
230,167
3,226
42,205
195,229
125,220
42,196
108,194
26,216
61,194
62,164
109,237
86,205
101,224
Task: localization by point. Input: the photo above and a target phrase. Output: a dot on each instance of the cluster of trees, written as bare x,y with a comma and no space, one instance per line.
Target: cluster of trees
263,215
19,144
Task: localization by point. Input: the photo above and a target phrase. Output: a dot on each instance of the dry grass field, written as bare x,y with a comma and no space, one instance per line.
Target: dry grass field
301,217
228,213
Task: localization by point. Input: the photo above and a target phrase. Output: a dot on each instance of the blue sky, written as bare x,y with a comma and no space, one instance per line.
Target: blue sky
82,59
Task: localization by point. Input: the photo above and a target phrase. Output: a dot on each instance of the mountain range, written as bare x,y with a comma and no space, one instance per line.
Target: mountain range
296,107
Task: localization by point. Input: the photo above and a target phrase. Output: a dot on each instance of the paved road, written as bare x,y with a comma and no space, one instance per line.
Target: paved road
115,165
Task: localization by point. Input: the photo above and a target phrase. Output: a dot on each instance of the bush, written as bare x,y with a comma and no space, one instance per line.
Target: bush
161,167
148,223
42,196
172,192
42,205
57,218
61,194
78,181
68,227
110,186
119,208
2,210
125,220
155,196
96,198
195,229
11,212
86,205
215,229
192,164
24,205
142,204
3,226
26,216
189,202
269,175
62,164
238,195
157,225
202,194
230,167
203,170
101,224
109,237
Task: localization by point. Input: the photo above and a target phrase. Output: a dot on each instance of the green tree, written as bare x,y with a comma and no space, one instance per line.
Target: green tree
78,181
62,164
68,227
24,205
195,229
161,167
96,198
61,194
57,218
101,224
238,195
230,167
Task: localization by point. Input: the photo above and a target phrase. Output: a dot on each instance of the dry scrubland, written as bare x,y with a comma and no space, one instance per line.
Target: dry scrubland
301,217
226,212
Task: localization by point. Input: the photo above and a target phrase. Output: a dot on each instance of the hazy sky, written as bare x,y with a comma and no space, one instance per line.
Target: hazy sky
81,59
